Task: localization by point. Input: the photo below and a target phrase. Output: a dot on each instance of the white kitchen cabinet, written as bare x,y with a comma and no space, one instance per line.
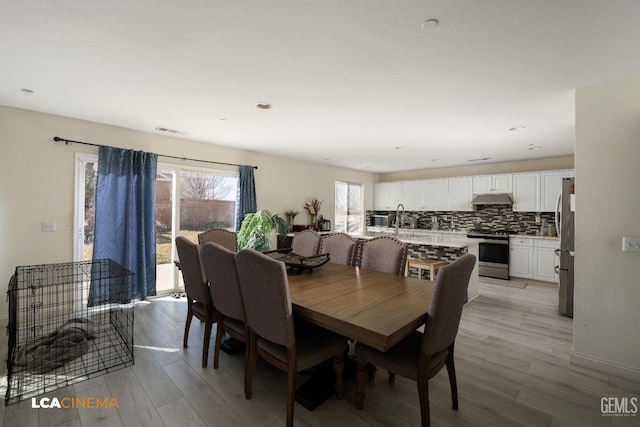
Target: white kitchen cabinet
533,258
521,257
483,184
413,195
526,192
435,194
545,260
425,195
387,195
460,193
550,186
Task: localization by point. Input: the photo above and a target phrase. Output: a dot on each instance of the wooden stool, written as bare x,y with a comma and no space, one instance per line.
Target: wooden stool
426,264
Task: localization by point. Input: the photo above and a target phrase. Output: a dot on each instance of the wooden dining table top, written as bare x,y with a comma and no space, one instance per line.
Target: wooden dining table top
377,309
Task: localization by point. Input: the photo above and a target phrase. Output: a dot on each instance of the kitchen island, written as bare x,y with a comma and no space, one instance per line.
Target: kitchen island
440,245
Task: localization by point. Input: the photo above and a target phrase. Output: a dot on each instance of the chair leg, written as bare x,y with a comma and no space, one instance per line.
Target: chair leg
207,339
250,365
451,369
187,326
392,377
292,373
216,348
361,376
338,367
423,396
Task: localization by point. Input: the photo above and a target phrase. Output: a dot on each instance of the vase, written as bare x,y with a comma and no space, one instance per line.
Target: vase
314,219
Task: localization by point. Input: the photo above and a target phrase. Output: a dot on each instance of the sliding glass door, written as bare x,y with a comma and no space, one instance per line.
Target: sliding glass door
188,202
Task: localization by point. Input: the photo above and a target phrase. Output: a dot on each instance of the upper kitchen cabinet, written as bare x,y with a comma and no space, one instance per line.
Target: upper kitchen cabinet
460,193
435,194
413,195
526,192
483,184
423,195
387,196
550,186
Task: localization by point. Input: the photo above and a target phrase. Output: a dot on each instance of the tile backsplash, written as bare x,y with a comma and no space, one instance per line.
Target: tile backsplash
485,216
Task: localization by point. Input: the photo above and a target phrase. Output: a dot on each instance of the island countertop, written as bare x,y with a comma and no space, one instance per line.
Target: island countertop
449,239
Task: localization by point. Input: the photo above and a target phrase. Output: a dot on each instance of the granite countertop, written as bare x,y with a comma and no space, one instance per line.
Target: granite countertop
450,239
535,236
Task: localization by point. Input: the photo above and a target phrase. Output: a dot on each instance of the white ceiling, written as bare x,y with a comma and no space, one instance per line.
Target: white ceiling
349,80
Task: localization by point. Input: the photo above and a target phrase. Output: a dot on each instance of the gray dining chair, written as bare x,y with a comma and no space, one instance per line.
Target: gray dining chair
340,246
306,243
220,269
421,356
385,253
225,238
272,333
199,302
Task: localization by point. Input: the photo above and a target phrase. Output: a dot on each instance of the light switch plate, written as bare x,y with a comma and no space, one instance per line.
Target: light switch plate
631,244
48,226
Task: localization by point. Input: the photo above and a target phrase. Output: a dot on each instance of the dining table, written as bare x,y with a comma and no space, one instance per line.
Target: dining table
371,307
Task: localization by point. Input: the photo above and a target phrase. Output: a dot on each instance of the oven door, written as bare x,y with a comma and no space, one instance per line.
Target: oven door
493,259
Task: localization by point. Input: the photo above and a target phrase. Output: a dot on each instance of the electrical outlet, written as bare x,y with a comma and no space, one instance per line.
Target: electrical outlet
631,244
48,226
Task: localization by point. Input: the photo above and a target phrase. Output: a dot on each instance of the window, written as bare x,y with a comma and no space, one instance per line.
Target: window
349,213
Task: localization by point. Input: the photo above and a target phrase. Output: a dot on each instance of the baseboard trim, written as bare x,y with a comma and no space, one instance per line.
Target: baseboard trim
604,367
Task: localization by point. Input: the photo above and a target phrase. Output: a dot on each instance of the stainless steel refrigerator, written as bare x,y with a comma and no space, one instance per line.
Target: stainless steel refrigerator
565,219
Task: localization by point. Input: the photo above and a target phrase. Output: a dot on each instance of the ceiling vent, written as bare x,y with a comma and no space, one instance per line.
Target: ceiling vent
163,129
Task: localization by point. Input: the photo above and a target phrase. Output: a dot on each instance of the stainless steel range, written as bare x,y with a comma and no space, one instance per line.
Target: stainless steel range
493,257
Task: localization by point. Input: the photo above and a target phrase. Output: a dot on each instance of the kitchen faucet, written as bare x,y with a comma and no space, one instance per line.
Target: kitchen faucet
399,217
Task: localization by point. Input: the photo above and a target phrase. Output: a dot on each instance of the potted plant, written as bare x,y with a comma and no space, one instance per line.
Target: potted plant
290,214
257,226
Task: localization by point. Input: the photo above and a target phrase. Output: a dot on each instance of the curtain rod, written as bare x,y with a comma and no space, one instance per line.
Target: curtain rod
67,141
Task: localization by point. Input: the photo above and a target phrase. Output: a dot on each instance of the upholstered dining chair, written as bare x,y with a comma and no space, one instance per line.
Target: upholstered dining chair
421,356
340,246
272,333
306,243
225,238
220,269
199,302
385,253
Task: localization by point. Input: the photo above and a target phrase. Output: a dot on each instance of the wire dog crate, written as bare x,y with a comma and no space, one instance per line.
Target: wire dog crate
68,322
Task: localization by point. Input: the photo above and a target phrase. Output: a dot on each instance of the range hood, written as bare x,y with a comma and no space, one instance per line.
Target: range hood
492,199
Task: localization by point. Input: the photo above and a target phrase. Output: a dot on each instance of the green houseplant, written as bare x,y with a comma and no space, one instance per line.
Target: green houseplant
291,214
257,226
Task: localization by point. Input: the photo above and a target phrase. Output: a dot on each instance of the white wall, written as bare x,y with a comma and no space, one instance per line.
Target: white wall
607,281
37,180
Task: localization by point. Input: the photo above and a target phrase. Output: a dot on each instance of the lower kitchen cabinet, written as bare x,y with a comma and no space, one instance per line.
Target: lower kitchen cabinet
545,260
521,257
533,258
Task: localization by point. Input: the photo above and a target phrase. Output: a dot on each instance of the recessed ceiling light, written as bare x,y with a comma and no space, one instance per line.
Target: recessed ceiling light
224,120
26,91
535,147
434,160
399,147
479,159
429,23
516,128
263,105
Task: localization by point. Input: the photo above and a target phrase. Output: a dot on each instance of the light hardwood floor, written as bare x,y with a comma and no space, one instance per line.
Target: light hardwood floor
512,360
